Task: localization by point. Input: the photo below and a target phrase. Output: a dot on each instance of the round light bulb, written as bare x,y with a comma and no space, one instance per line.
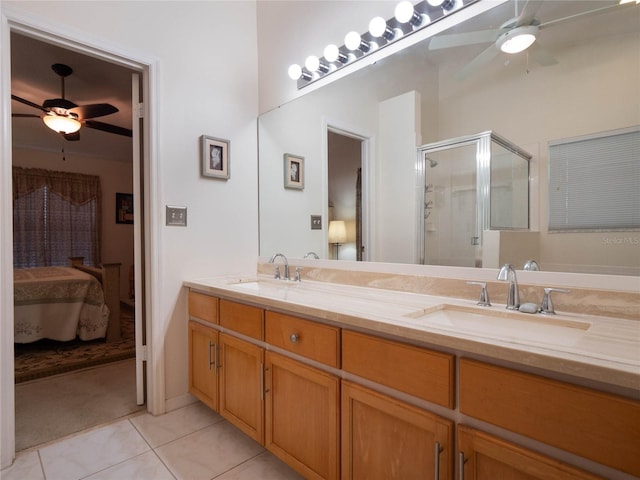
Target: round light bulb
295,71
331,53
352,40
435,3
312,63
518,43
404,12
61,124
377,26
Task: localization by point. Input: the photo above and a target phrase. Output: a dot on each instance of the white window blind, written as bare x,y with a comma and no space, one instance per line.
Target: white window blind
594,183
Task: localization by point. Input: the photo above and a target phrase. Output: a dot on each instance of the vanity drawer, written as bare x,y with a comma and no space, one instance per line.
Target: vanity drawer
203,307
599,426
243,319
304,337
417,371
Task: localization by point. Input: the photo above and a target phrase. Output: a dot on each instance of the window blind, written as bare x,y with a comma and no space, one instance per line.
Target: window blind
594,182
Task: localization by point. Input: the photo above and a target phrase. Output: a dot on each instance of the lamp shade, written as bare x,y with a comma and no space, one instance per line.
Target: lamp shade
61,124
337,231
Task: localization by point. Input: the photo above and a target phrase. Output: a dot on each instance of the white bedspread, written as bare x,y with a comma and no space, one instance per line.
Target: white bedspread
58,303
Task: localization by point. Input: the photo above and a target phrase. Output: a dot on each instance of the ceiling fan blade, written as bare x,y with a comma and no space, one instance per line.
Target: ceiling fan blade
24,115
588,13
72,137
460,39
27,102
541,55
528,14
93,110
485,57
106,127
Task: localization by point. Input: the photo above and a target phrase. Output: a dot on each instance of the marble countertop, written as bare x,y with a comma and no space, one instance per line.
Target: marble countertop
601,349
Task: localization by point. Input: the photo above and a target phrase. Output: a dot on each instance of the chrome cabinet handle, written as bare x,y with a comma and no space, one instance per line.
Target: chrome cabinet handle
215,356
210,345
262,382
461,462
294,338
436,452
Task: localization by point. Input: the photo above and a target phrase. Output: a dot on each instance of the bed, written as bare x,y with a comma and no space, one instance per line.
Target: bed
62,303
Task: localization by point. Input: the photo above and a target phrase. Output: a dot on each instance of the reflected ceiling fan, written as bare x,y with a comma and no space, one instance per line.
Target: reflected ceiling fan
65,117
514,36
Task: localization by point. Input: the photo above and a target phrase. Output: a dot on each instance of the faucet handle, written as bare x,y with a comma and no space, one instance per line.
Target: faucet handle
276,272
484,294
296,275
546,307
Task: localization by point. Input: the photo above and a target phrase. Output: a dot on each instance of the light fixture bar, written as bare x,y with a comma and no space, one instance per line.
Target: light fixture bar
408,19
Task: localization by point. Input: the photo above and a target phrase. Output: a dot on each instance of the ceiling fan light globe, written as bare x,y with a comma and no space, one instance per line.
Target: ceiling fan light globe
518,39
61,124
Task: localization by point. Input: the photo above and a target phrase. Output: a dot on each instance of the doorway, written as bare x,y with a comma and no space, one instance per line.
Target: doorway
114,158
346,190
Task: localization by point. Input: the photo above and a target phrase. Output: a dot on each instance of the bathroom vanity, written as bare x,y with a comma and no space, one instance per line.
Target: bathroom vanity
344,381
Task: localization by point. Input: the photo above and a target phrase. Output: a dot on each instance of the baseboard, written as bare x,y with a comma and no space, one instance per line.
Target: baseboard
178,402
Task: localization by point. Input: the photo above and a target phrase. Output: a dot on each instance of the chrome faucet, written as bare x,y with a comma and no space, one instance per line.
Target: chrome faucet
546,307
508,274
532,265
312,255
277,269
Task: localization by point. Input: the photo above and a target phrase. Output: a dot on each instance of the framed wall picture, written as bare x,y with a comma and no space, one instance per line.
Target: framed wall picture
293,171
124,208
215,157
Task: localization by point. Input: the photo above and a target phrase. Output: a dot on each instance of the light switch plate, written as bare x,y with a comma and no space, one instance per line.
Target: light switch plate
316,222
176,216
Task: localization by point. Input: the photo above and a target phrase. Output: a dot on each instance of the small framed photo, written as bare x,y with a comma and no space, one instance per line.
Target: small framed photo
215,157
124,208
293,171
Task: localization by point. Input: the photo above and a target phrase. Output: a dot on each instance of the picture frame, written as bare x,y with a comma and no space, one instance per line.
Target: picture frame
293,171
124,208
215,157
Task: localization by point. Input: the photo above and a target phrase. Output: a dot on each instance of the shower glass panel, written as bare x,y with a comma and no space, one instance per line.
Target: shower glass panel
471,184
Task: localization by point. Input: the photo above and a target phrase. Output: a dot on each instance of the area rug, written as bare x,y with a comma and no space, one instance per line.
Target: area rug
47,357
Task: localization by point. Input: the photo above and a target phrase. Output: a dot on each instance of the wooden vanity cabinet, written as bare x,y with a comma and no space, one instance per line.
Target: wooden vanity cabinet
602,427
302,416
203,371
420,372
485,457
241,383
386,439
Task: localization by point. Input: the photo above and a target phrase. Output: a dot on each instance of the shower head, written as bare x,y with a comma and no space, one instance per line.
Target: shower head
432,163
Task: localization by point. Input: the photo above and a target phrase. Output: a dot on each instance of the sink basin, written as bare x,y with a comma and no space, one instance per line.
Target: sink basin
503,325
253,285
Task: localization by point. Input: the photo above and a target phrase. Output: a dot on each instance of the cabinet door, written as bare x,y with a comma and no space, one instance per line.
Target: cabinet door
241,385
484,457
203,375
386,439
301,416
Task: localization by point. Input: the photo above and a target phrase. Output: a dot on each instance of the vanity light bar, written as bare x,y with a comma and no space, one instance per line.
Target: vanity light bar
408,19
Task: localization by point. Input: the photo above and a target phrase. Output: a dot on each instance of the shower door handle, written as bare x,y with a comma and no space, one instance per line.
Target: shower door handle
475,240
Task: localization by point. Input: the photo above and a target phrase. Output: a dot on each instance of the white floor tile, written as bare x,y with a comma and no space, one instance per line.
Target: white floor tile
143,467
173,425
26,466
92,451
265,467
209,452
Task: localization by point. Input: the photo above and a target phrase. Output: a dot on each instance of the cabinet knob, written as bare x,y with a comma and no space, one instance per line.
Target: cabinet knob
294,338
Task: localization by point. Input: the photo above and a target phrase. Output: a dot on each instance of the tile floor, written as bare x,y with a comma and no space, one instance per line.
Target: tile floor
188,443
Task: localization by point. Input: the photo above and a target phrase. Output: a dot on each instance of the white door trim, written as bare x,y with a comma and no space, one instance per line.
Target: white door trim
62,35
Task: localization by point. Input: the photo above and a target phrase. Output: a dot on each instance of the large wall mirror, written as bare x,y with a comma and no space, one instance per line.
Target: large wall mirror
581,78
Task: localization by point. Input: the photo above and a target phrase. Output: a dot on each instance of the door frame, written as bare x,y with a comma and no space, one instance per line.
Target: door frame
368,181
147,66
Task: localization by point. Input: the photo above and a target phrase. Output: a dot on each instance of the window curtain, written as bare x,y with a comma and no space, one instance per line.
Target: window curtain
56,215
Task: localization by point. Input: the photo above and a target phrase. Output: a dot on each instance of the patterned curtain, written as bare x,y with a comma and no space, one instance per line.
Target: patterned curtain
56,215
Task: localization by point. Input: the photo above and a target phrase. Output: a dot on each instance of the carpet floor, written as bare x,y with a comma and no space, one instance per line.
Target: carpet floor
47,357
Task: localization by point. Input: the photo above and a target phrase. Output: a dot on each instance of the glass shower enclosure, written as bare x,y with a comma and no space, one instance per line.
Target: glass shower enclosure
470,184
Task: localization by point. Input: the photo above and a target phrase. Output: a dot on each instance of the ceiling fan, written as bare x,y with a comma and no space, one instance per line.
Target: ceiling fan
66,118
514,36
